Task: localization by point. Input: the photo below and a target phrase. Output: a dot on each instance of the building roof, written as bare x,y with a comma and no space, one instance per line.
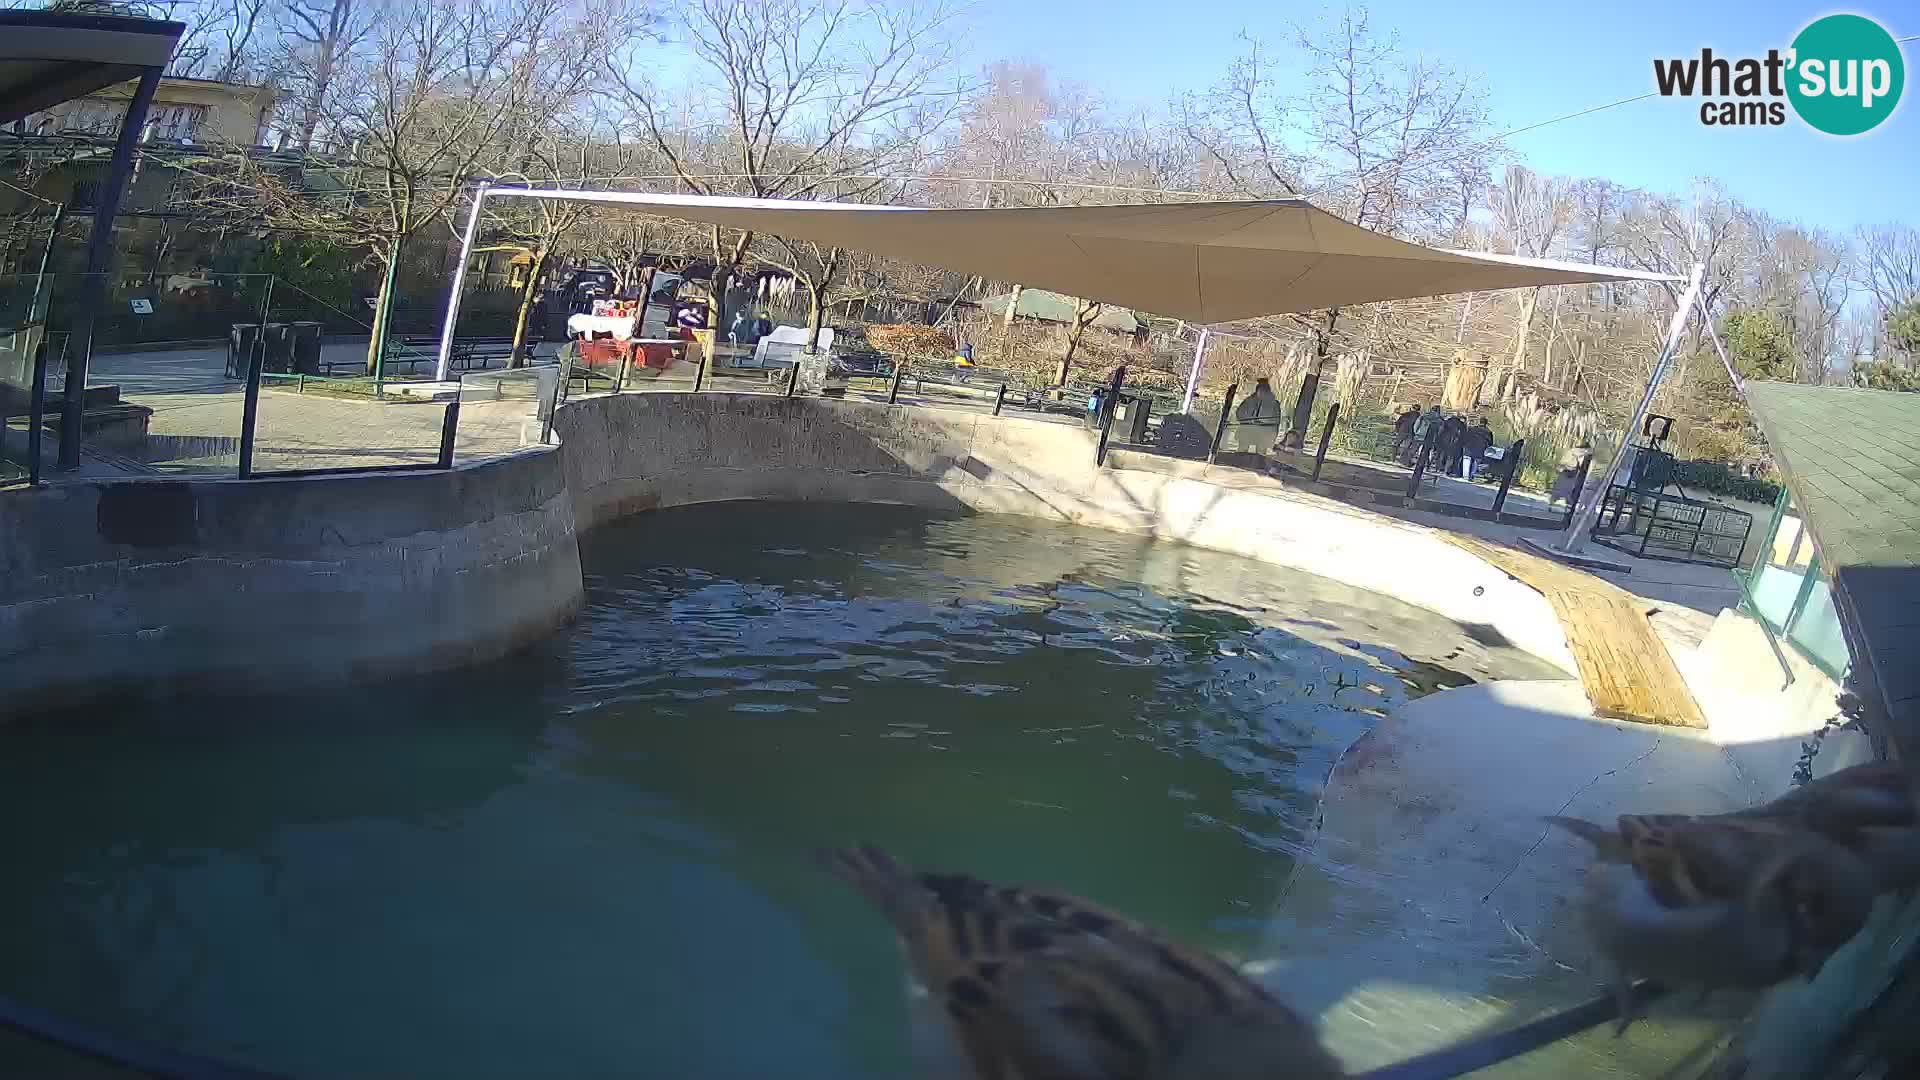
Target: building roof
50,57
1053,307
1207,262
1851,459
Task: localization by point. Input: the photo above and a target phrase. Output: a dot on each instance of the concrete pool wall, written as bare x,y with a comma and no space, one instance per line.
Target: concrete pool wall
276,583
632,453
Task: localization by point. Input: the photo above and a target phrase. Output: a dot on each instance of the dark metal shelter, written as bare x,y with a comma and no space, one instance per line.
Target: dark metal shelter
47,57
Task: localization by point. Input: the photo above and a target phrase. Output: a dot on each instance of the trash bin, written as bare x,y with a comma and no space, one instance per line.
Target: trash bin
1130,423
241,341
277,343
306,348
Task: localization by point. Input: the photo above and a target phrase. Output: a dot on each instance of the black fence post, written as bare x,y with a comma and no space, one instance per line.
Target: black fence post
626,361
449,424
1506,478
250,405
1573,498
37,410
999,399
699,373
1109,408
1326,436
1220,428
793,378
1420,464
893,388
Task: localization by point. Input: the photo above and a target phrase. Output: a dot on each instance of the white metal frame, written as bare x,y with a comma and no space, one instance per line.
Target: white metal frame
1571,542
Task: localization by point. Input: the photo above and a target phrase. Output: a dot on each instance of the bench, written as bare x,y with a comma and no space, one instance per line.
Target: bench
467,354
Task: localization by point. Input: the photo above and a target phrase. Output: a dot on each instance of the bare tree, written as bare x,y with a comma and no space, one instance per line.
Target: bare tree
1374,139
795,97
321,36
423,101
1531,213
1889,267
1084,314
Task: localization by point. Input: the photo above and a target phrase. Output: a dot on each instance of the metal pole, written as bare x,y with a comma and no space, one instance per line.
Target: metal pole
999,399
1420,463
626,363
93,288
699,372
1579,485
1193,376
793,378
1713,335
1589,505
1109,409
382,326
37,410
1220,428
459,282
250,405
1326,436
1506,480
46,257
449,425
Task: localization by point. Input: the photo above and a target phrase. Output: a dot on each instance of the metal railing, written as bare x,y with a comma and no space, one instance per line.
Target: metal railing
1458,1059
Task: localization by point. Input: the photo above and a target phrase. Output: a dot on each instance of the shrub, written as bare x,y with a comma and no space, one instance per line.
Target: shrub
910,339
1718,478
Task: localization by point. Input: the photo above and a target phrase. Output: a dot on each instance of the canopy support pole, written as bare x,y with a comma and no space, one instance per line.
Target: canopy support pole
455,290
1575,537
1193,377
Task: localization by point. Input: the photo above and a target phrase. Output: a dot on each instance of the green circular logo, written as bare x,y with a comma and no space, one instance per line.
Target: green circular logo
1846,74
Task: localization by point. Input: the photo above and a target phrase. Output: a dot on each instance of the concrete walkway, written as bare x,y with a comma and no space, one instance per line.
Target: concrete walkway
196,421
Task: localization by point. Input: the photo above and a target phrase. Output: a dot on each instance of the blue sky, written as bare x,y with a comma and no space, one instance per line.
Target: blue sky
1536,61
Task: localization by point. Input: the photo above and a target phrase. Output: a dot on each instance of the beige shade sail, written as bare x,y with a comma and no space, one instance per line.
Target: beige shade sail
1210,262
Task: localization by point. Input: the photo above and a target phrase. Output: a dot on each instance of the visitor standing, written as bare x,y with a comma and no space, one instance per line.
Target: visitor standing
1403,430
1566,486
1476,441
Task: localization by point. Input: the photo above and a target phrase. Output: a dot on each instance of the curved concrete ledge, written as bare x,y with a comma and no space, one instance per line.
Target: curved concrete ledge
282,583
1440,898
636,452
277,584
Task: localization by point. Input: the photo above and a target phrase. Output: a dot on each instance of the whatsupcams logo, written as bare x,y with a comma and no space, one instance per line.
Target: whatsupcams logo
1842,75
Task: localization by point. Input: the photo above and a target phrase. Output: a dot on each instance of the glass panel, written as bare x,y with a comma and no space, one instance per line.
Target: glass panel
1817,629
323,405
22,331
163,392
1774,590
1792,547
503,410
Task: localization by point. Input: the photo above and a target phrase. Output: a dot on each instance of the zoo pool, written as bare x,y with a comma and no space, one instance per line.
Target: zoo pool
595,860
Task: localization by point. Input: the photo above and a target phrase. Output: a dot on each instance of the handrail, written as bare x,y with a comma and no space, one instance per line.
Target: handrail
1486,1050
126,1053
1443,1064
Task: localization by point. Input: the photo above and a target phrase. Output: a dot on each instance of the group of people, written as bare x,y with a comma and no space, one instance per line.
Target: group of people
1458,447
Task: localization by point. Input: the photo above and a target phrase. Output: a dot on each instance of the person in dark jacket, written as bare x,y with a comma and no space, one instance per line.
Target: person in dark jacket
1453,431
1475,442
1403,430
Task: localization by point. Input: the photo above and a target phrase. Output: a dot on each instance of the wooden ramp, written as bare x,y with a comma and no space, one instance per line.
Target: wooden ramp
1624,666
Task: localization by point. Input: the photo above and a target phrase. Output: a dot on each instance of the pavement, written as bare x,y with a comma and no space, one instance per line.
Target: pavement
196,421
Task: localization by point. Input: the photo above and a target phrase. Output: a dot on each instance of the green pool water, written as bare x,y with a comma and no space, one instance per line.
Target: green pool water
595,859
